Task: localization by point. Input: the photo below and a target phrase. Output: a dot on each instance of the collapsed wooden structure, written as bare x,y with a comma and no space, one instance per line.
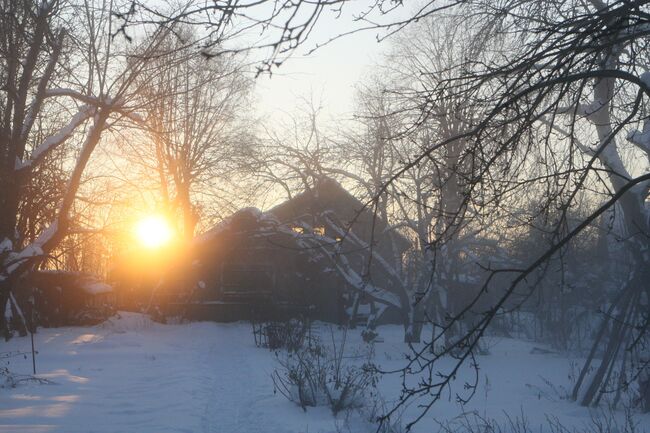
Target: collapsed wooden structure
53,298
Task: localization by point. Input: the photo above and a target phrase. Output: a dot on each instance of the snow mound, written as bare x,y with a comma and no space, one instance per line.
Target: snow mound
126,321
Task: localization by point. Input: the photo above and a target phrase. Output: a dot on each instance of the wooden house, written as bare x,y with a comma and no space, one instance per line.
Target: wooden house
309,255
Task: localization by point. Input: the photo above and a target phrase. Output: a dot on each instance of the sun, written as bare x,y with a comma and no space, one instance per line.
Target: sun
153,231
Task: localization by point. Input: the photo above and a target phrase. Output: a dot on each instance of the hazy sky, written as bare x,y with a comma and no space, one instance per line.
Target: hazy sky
329,74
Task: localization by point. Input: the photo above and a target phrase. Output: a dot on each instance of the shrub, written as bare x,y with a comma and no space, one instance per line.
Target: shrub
8,379
289,334
602,421
318,375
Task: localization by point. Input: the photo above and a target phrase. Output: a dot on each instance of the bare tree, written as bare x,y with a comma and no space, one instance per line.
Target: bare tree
555,110
65,82
428,199
285,25
195,118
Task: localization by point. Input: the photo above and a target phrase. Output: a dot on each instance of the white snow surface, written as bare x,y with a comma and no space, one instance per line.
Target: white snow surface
130,374
5,245
96,287
645,79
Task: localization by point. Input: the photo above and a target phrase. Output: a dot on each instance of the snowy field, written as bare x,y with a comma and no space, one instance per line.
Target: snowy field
132,375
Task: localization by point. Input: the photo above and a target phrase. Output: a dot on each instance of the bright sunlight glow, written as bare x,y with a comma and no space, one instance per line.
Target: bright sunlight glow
153,231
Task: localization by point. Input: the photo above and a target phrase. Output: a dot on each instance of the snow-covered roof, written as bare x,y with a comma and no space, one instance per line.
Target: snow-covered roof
88,283
95,287
248,212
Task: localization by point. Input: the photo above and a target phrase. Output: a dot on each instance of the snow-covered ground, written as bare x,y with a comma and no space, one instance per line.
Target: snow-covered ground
132,375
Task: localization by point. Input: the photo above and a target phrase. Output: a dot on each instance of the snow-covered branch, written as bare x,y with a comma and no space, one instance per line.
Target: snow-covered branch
641,139
114,104
580,109
598,4
374,256
86,99
350,175
56,139
17,261
343,267
31,251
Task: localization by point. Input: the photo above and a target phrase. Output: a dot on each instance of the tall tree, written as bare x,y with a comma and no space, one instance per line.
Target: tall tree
44,106
195,117
556,109
398,119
